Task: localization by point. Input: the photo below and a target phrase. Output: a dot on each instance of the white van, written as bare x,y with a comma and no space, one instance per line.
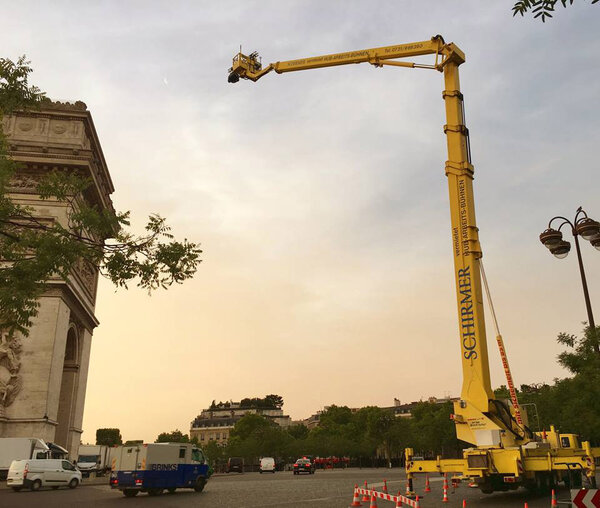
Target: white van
36,473
267,464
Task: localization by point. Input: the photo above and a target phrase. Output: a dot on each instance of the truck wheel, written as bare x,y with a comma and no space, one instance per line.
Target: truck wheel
35,486
200,483
73,483
130,492
171,490
155,492
17,489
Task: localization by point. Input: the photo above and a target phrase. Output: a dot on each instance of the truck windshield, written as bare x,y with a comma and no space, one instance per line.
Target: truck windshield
87,458
197,455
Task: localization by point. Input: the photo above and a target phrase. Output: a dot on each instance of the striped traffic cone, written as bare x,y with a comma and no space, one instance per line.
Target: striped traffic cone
373,502
385,486
554,501
398,502
472,483
445,498
356,499
366,497
464,503
427,487
525,505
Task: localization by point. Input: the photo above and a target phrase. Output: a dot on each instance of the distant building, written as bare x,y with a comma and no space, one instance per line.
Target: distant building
216,422
405,410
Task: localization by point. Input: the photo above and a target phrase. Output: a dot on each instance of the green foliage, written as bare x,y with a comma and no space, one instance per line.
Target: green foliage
583,352
172,437
108,437
267,402
541,9
570,404
15,92
34,250
365,433
215,453
248,425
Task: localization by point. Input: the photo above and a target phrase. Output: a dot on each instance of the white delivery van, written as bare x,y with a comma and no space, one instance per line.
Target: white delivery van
36,473
267,465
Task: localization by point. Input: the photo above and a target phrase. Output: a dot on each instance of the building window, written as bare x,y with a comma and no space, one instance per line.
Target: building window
218,435
201,437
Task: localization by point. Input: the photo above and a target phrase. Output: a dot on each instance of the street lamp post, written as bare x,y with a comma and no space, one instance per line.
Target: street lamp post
589,230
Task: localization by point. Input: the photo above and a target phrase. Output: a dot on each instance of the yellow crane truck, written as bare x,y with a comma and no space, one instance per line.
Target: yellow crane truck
505,453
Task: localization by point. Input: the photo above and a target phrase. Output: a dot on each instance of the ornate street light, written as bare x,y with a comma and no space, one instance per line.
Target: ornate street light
588,229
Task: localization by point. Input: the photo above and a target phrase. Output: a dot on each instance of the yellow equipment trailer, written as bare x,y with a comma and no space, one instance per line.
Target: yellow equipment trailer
505,453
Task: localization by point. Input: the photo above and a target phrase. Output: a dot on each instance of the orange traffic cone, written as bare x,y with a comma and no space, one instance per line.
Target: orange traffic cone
356,499
385,486
525,505
464,503
366,496
427,487
554,502
373,502
472,483
398,502
445,498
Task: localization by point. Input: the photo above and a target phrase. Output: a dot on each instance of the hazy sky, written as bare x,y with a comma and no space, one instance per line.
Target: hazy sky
319,197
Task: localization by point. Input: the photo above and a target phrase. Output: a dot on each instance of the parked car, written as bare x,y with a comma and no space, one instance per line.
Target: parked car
304,466
267,465
37,473
235,464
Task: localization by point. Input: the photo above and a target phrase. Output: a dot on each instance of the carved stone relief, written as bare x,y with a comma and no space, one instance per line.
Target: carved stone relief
10,365
88,275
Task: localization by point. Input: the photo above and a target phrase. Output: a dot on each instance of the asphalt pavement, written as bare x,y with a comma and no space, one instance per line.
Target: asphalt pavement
324,489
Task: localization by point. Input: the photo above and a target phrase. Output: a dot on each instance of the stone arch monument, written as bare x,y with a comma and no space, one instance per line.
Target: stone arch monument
43,377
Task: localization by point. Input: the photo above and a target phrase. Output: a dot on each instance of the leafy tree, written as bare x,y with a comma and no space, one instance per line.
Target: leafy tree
108,437
299,431
539,8
249,424
214,452
583,352
268,402
274,401
172,437
33,250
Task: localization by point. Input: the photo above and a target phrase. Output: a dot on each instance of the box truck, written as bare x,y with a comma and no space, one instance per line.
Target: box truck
154,467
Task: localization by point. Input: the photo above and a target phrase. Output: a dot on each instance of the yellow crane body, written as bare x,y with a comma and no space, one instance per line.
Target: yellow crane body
505,453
